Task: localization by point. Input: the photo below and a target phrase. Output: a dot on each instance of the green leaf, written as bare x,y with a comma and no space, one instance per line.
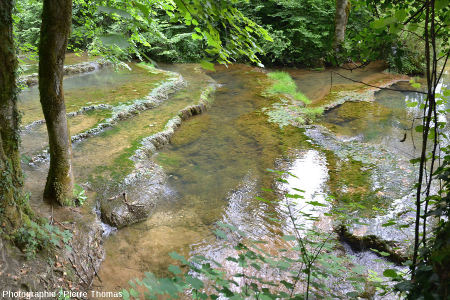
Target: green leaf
232,259
174,269
134,293
287,284
380,23
221,234
390,273
194,282
401,15
404,286
178,257
389,223
294,196
256,266
207,65
263,200
143,8
441,4
125,294
394,28
227,226
411,104
316,203
196,36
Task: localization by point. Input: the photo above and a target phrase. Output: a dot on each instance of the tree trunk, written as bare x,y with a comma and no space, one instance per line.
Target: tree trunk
340,21
10,170
55,30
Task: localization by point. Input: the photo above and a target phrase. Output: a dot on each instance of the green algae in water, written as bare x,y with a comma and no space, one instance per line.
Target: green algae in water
106,156
350,183
387,121
102,87
35,139
213,156
168,161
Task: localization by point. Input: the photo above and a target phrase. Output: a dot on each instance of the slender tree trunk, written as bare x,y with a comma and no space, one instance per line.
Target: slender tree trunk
340,22
55,30
10,170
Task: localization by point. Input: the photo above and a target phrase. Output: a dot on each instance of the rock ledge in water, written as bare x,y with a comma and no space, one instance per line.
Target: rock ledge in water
128,203
33,79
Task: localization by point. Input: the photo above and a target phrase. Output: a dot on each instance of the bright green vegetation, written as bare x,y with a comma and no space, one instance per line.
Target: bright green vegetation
293,107
283,84
303,31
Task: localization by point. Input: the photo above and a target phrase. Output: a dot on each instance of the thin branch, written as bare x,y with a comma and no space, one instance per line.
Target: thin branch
443,67
416,13
76,272
412,32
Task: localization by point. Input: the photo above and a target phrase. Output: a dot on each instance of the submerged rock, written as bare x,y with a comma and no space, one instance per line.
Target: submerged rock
391,180
128,204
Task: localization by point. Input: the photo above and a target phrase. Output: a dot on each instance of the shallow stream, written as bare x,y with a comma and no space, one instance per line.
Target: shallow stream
217,161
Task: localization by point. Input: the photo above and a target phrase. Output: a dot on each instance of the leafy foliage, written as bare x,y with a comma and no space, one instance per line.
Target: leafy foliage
79,195
27,23
429,21
218,26
303,30
34,237
181,31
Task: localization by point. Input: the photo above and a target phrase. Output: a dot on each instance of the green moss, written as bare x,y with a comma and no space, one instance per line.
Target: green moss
284,84
292,110
126,87
168,161
312,113
106,156
350,184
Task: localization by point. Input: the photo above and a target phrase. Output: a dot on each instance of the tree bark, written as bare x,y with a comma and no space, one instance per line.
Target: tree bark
10,170
55,30
340,21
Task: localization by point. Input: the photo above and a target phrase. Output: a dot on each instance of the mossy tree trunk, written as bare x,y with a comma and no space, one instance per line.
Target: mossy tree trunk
11,202
340,22
55,30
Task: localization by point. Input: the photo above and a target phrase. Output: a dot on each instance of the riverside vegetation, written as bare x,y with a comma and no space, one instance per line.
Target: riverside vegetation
283,183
